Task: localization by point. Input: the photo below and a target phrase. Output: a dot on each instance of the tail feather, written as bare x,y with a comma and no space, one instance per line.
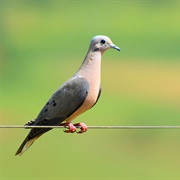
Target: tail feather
25,145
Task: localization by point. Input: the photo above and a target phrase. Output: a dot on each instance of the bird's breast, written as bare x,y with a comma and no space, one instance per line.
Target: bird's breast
88,102
92,94
91,71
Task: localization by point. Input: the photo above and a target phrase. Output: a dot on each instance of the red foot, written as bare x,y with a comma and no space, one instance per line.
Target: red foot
83,127
71,128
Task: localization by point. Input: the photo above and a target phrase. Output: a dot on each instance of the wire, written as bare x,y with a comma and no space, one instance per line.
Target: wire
94,127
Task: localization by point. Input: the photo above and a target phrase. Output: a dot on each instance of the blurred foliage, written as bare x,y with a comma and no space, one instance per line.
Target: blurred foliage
42,45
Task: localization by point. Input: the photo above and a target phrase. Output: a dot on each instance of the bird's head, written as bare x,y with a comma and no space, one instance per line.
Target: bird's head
102,43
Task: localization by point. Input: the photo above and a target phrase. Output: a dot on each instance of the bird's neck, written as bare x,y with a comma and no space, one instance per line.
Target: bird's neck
91,67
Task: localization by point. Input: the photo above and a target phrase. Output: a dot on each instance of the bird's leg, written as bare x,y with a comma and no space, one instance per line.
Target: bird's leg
70,129
82,126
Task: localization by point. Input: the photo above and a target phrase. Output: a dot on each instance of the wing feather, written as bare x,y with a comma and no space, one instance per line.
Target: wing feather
62,104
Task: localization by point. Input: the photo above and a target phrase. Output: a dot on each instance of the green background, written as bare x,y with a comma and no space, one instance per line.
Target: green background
43,44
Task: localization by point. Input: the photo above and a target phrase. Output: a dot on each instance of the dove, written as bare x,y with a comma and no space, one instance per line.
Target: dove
77,95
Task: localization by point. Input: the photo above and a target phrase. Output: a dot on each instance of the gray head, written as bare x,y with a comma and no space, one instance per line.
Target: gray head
102,43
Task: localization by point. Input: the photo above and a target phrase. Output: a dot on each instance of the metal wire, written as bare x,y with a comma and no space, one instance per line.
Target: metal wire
94,127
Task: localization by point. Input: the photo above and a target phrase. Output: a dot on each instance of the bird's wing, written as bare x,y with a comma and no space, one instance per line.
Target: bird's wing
63,103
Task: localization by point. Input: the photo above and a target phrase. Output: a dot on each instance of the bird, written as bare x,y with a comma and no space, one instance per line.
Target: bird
77,95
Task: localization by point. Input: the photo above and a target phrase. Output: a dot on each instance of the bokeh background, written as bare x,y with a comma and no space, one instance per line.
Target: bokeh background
44,42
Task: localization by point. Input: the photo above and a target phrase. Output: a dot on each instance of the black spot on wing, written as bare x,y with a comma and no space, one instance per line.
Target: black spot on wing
63,103
54,103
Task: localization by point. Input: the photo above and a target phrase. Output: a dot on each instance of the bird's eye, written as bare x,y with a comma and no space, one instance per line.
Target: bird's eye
103,41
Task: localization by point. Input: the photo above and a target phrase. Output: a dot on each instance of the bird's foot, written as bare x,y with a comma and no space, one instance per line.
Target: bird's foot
82,126
71,128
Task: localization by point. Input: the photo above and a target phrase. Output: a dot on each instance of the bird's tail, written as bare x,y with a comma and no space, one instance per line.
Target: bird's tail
25,145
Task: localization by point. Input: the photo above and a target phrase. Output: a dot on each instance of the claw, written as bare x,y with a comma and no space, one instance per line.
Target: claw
83,127
70,129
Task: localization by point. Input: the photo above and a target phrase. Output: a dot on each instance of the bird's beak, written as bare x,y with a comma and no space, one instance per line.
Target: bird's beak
114,47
